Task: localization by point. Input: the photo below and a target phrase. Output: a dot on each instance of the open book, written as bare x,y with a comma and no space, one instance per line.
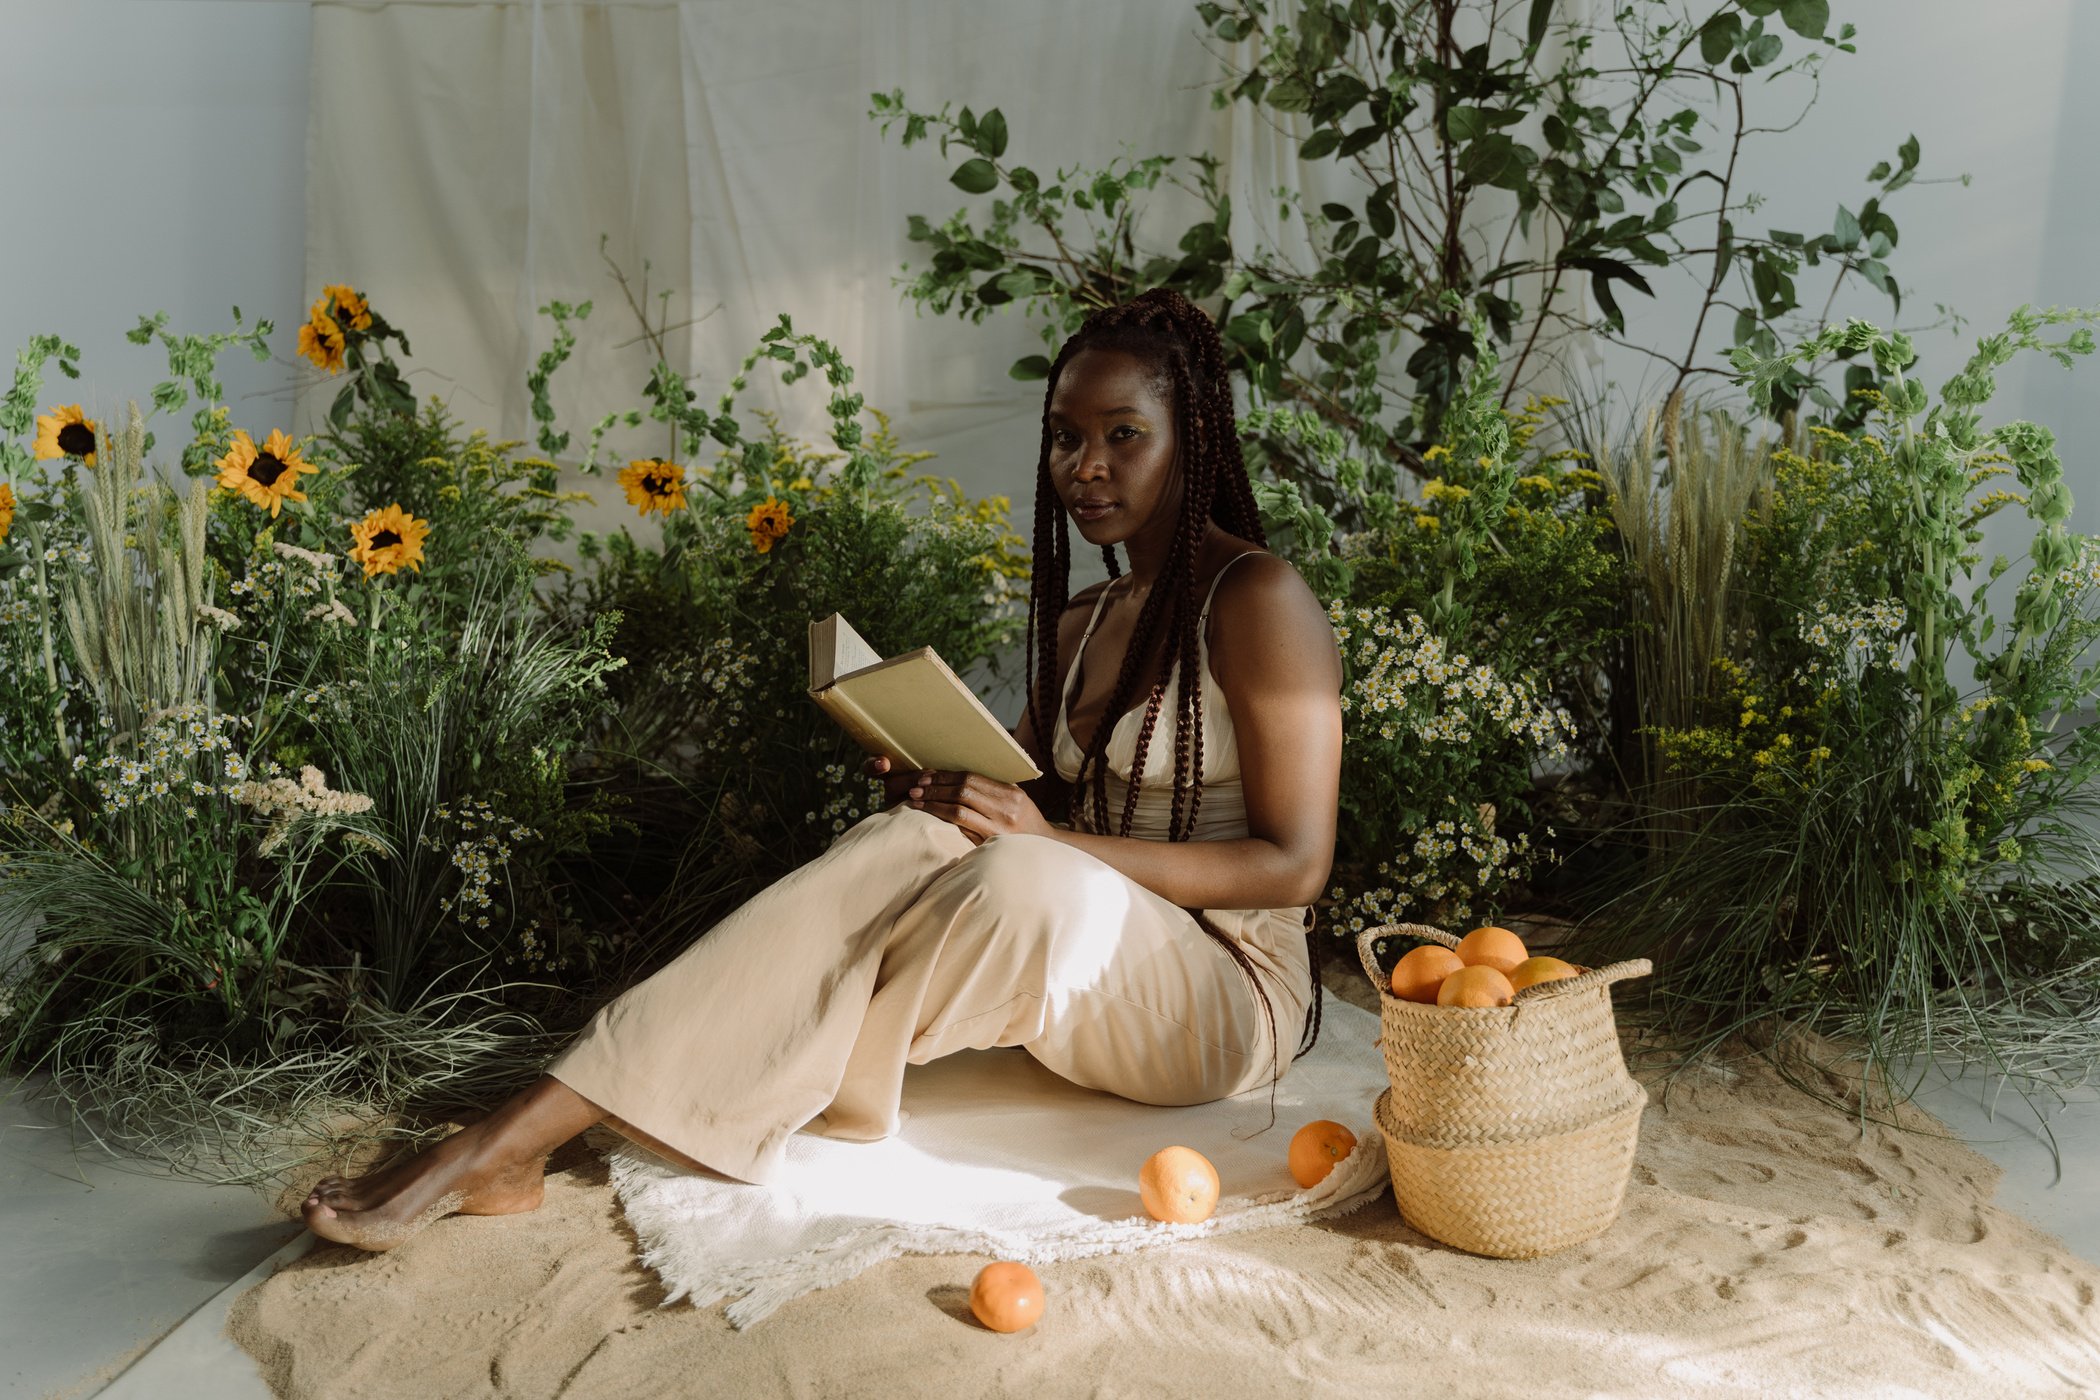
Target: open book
911,708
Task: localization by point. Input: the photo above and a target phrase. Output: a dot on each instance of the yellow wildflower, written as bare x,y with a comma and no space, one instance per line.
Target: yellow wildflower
655,485
66,432
387,539
267,475
768,522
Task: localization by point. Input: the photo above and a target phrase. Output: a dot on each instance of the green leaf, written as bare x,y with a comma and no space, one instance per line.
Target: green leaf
1463,124
991,133
1763,50
1846,229
1379,213
1808,18
1320,143
339,411
1535,24
1337,212
1718,39
1359,138
976,176
1029,367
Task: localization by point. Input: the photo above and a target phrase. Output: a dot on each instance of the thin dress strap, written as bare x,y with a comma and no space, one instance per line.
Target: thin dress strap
1219,576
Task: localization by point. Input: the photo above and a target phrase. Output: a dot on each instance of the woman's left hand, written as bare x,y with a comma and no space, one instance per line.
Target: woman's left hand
979,806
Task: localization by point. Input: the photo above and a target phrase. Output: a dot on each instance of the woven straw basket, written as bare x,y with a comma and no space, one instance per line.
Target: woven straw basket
1510,1129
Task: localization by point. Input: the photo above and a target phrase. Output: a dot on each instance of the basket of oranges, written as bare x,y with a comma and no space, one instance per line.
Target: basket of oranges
1511,1121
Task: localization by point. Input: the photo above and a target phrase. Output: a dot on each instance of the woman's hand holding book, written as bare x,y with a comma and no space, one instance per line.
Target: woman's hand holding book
978,806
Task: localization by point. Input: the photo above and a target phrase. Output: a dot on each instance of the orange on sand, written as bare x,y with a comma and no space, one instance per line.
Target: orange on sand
1316,1147
1495,947
1533,971
1422,970
1479,985
1178,1184
1007,1296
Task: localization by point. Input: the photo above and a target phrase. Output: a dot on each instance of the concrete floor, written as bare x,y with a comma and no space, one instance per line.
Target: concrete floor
106,1259
103,1259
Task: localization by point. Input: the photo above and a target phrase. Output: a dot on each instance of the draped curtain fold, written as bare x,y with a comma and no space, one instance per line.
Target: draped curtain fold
466,158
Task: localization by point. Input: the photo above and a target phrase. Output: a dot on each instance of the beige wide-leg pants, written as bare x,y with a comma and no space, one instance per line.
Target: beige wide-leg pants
905,942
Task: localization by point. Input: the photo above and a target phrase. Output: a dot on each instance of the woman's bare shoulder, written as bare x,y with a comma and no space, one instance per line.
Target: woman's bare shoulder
1266,617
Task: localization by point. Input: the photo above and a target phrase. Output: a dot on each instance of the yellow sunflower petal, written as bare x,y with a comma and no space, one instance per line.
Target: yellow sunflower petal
387,539
65,431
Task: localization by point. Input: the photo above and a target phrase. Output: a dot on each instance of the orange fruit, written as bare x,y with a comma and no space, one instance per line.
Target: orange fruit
1479,985
1178,1184
1419,972
1532,971
1316,1147
1492,947
1007,1296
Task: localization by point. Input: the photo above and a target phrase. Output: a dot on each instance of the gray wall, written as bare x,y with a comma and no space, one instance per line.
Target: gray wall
153,154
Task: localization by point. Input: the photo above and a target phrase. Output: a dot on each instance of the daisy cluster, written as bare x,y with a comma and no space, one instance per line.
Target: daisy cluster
1869,634
1404,682
481,849
269,576
1428,874
726,678
856,795
175,758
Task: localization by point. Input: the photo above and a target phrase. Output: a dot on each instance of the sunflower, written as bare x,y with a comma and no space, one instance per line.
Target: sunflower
267,475
7,509
66,432
321,340
767,522
388,538
654,485
350,308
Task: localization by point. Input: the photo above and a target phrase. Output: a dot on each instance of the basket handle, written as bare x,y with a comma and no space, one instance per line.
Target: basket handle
1584,981
1595,977
1370,936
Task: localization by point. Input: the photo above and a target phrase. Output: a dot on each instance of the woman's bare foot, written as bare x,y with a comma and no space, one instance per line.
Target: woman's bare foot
459,1175
494,1167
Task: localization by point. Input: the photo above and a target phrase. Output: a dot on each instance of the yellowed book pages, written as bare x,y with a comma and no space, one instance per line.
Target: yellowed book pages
911,708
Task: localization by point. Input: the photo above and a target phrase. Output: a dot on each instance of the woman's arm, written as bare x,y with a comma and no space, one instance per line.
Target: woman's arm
1281,673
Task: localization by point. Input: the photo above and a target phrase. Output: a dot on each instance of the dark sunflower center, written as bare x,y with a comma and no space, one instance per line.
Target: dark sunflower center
265,469
656,485
385,539
76,439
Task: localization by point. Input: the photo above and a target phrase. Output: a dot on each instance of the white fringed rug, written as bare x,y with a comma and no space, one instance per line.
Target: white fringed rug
997,1156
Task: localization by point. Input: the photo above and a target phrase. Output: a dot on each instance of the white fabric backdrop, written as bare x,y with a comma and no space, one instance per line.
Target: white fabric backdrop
466,157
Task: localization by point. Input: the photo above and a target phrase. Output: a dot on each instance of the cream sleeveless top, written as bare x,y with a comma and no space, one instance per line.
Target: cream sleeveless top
1222,814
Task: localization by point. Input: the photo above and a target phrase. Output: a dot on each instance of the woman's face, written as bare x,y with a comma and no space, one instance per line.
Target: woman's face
1113,455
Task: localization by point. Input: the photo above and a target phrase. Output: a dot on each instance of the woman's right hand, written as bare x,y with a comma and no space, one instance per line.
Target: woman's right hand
896,781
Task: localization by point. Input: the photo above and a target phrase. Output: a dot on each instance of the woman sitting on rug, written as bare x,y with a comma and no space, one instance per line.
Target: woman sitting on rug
1156,945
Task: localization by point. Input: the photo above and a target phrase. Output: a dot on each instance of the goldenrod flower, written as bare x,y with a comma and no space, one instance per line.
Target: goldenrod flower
7,509
350,308
654,485
321,340
66,432
387,539
768,521
267,475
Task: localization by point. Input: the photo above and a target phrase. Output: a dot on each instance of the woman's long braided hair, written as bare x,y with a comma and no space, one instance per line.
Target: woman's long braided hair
1165,330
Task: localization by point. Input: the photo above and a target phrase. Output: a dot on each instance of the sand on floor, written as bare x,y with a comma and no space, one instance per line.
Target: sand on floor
1768,1246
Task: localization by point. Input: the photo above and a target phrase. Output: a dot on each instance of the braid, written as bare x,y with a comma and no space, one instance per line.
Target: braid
1166,330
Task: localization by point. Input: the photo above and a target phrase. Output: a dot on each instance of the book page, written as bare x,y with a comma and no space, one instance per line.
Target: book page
835,650
934,720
